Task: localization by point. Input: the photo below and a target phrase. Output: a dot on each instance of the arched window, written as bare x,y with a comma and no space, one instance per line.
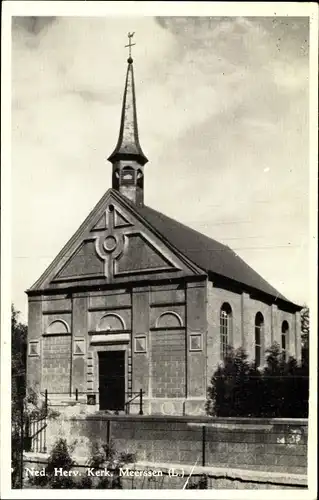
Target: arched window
284,338
128,175
58,327
225,328
259,335
111,322
169,319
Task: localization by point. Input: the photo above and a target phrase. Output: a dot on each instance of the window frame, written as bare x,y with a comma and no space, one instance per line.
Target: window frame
260,328
225,328
285,336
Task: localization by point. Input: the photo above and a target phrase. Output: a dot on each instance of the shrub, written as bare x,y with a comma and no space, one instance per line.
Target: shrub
236,387
102,455
200,484
240,389
59,457
106,455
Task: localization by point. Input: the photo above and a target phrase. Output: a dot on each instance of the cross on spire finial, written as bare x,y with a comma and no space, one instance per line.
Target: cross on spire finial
130,45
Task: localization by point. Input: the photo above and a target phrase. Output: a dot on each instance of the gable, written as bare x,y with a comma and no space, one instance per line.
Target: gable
84,262
114,245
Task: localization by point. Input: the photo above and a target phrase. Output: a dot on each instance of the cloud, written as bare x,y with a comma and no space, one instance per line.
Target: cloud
31,24
220,100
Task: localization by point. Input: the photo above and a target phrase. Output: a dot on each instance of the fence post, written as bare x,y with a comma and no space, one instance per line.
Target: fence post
46,401
108,437
27,427
141,402
203,445
21,443
76,394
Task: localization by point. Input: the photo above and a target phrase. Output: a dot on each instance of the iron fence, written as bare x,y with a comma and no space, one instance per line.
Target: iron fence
135,398
35,433
131,399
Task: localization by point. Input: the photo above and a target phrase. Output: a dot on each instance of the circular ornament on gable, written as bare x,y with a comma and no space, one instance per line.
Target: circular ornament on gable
109,243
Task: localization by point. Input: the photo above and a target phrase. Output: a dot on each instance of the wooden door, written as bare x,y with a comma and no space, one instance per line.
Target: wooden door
112,380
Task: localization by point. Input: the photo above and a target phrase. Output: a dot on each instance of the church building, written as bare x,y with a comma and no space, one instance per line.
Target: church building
138,301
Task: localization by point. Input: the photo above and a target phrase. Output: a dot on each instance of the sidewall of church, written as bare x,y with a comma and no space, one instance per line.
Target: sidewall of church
244,309
216,297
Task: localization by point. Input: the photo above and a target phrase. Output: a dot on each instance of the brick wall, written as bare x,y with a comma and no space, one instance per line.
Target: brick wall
256,446
56,364
244,310
168,363
278,445
168,368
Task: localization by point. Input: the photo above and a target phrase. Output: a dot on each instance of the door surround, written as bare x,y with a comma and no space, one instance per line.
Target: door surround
102,348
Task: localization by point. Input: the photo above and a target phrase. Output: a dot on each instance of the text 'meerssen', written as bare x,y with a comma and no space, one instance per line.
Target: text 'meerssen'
92,472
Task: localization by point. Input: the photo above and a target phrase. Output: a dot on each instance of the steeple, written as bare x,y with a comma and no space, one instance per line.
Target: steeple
128,158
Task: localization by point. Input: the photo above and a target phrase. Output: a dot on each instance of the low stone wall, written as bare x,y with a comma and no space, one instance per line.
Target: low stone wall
278,445
147,475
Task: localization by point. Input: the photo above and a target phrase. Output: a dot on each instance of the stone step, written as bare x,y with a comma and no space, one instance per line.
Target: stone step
63,401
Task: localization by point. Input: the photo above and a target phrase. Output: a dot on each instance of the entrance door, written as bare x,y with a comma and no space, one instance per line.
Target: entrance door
112,380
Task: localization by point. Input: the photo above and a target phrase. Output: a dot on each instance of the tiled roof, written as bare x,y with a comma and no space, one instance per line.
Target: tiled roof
207,253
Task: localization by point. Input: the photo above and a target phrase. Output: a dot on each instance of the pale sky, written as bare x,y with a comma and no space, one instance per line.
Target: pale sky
223,118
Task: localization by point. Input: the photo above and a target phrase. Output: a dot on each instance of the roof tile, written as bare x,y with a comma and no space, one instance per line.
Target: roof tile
207,253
